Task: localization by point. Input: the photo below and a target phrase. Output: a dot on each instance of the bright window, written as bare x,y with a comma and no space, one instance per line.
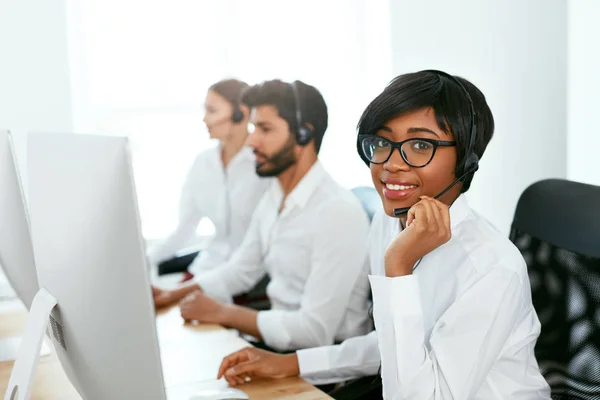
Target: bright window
142,68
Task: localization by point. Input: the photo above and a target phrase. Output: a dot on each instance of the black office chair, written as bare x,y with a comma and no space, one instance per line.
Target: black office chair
557,229
176,264
369,199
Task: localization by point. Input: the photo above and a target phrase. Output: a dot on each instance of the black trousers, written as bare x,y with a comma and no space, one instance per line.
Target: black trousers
366,388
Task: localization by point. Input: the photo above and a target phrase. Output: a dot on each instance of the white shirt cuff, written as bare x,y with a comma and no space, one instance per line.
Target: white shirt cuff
397,296
213,285
314,361
272,330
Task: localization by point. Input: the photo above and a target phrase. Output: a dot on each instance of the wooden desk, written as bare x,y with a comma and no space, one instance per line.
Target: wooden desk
190,354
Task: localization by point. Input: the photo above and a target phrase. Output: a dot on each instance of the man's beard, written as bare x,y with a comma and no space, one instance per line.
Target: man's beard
279,163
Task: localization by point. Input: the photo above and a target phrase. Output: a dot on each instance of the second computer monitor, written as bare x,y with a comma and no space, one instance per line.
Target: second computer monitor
16,253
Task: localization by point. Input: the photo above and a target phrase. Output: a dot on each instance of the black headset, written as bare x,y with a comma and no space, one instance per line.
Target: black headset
303,133
238,114
470,163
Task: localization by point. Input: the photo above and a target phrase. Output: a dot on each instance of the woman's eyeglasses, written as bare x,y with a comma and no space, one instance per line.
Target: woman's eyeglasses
416,152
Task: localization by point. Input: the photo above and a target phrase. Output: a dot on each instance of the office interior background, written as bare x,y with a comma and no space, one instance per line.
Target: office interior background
141,68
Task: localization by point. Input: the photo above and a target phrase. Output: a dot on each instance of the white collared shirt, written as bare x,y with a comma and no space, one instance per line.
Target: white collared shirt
226,196
462,326
315,253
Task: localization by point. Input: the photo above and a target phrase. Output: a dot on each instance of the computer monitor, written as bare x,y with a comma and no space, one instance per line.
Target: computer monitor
94,283
16,252
90,257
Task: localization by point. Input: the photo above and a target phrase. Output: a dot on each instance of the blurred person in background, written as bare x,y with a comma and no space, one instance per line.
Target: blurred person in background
221,185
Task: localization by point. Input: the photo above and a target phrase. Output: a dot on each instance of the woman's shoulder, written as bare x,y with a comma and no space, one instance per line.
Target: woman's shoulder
488,249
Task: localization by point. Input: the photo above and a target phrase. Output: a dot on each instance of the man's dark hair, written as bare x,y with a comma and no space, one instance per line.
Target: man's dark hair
414,91
281,95
230,89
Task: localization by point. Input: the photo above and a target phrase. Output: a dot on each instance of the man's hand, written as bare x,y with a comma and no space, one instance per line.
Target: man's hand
197,306
244,364
427,228
163,298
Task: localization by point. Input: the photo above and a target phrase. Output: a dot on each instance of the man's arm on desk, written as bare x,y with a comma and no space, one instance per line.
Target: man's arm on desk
197,306
239,274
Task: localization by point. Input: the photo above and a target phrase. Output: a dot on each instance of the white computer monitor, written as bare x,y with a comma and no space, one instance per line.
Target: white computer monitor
16,253
90,257
91,263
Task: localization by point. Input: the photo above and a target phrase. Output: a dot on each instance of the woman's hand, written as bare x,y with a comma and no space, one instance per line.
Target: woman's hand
427,228
244,364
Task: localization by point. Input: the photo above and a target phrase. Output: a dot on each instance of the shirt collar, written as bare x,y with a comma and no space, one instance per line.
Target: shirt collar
303,190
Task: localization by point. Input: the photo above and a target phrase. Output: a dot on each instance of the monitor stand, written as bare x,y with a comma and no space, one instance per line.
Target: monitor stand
21,377
9,348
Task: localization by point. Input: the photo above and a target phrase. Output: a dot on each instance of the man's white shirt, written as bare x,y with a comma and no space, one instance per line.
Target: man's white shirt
315,252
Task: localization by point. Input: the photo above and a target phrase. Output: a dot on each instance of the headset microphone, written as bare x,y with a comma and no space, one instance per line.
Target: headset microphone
401,211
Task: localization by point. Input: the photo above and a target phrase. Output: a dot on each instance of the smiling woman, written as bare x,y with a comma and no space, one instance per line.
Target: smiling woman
436,139
424,171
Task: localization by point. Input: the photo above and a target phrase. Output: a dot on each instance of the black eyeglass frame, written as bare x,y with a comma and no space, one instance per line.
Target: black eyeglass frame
398,145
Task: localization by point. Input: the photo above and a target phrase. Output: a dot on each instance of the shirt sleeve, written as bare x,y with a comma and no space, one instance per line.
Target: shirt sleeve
188,219
464,342
354,358
338,261
241,272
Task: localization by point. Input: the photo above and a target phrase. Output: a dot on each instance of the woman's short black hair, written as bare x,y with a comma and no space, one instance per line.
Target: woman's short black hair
428,89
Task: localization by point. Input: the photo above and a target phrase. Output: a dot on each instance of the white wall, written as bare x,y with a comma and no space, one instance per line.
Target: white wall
515,52
34,72
584,91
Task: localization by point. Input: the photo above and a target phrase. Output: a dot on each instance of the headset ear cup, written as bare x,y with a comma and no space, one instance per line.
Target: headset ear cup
237,116
303,135
471,166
